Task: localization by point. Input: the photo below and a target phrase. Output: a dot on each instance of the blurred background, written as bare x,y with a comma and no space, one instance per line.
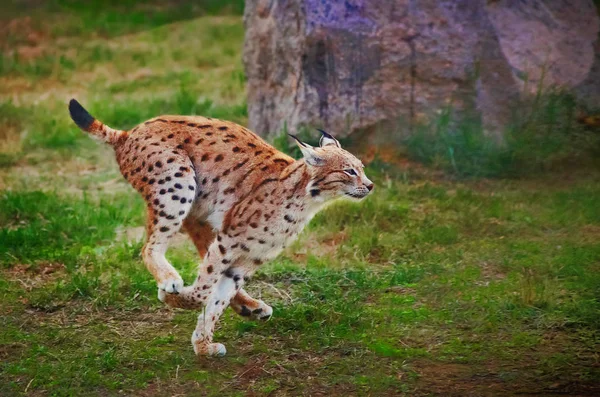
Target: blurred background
473,269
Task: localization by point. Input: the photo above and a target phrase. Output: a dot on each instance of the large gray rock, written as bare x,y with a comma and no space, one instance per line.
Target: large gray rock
388,65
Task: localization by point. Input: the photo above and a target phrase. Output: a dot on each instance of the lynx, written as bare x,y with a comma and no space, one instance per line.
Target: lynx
239,199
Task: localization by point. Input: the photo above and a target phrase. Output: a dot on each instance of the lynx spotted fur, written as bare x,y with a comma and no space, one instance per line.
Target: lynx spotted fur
240,200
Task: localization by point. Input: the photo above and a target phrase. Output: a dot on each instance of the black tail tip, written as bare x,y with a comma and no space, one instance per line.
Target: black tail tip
80,116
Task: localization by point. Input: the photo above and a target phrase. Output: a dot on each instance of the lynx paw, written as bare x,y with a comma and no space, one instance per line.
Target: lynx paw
262,312
216,350
201,348
169,286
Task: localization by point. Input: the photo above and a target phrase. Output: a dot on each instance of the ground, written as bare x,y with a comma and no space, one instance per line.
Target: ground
432,286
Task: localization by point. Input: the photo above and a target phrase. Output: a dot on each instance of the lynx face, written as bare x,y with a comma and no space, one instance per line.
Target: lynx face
335,173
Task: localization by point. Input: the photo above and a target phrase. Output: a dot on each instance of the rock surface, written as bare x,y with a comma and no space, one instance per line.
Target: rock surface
388,65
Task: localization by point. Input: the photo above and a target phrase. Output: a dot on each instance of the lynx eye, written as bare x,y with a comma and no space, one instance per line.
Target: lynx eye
351,172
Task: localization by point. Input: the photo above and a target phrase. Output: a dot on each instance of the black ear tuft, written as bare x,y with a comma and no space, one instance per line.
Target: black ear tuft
298,140
327,139
325,134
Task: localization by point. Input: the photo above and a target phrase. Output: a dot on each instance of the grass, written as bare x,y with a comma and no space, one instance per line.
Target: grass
544,134
431,286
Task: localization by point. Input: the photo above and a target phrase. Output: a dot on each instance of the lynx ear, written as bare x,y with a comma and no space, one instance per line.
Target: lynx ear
327,140
310,155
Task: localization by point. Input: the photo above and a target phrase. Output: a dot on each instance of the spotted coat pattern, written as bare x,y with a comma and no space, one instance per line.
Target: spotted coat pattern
240,200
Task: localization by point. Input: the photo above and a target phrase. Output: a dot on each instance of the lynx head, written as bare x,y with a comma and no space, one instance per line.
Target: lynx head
334,172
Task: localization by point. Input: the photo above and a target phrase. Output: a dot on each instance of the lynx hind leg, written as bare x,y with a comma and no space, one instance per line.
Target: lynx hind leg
246,306
243,304
187,298
210,271
201,233
169,187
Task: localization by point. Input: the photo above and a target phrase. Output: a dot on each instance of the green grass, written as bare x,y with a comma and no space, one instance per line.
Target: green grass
431,285
113,17
42,226
40,26
544,134
513,282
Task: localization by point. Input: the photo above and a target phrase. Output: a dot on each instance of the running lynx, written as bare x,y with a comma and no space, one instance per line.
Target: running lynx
240,200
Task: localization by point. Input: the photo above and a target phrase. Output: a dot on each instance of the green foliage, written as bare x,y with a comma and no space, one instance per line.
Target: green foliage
543,133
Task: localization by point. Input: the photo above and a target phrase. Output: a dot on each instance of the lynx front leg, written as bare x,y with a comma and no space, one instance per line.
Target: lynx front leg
224,290
243,304
219,279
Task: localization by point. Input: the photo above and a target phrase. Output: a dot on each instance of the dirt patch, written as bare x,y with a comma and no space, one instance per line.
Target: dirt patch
10,140
524,376
400,290
10,350
11,126
450,379
490,271
250,373
132,324
33,276
590,233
